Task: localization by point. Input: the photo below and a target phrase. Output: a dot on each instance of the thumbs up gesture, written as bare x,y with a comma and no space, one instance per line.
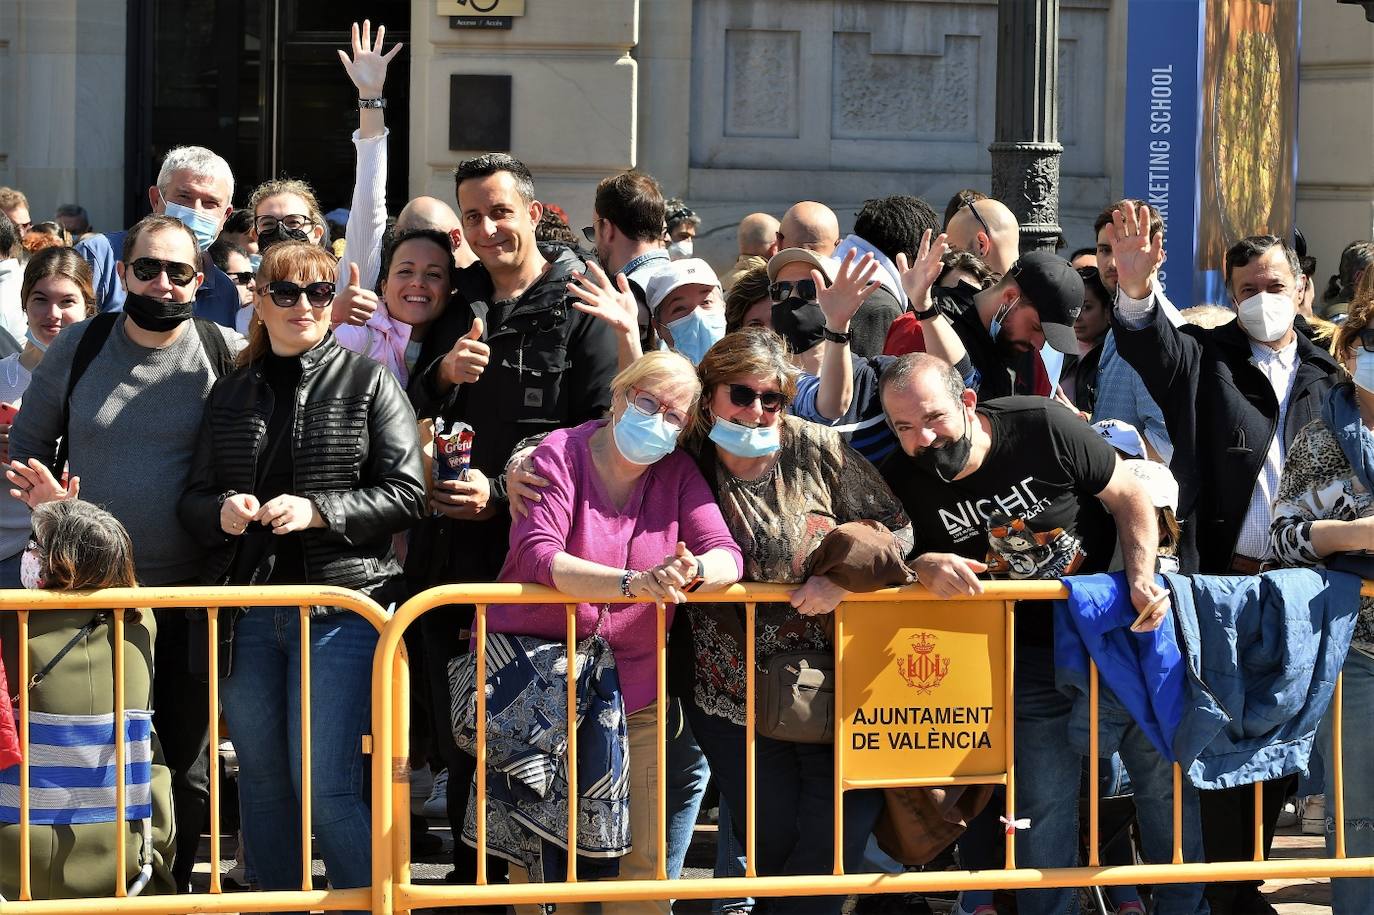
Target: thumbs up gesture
353,304
465,363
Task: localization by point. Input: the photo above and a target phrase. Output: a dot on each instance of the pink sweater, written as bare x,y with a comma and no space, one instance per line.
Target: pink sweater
669,502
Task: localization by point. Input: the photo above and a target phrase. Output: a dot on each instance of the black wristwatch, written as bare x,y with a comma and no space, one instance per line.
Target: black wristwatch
931,312
834,337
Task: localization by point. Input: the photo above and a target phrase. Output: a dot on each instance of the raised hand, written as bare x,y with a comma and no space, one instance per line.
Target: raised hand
594,293
854,283
467,360
34,484
367,67
1136,253
353,304
920,276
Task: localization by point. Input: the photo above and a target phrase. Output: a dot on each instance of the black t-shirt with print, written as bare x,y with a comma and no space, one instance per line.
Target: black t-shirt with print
1030,511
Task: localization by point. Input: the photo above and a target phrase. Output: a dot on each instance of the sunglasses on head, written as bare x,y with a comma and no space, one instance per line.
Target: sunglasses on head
979,216
148,269
286,294
242,279
783,290
741,395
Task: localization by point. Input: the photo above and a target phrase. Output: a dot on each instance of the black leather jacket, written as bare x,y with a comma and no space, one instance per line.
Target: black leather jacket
355,455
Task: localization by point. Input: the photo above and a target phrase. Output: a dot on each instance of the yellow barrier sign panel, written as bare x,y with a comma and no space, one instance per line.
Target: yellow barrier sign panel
922,689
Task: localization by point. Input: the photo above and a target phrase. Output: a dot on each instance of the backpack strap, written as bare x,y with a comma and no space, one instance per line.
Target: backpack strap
212,341
90,345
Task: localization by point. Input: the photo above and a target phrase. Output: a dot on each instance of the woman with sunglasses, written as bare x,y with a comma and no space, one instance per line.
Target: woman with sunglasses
1324,515
625,511
307,463
782,485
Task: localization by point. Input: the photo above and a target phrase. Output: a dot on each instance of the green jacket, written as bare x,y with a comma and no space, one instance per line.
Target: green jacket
78,861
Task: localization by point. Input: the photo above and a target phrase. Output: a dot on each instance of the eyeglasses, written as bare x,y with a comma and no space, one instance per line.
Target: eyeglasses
148,269
648,404
783,290
267,225
286,294
978,216
243,279
1366,339
741,395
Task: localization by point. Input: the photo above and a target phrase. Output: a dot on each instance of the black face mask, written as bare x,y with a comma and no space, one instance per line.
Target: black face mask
156,315
799,322
280,233
946,461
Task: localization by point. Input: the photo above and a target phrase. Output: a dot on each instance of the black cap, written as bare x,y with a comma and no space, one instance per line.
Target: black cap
1054,288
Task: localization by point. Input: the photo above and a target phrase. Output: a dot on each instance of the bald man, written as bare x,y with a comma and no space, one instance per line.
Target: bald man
433,213
758,239
988,229
812,226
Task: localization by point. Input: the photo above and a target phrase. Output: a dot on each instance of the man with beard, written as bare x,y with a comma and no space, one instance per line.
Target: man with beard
1035,303
128,427
195,187
1016,488
627,231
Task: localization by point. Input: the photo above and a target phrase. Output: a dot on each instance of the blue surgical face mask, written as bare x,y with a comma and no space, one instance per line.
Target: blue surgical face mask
643,438
254,260
1364,369
696,332
743,441
202,225
995,325
37,343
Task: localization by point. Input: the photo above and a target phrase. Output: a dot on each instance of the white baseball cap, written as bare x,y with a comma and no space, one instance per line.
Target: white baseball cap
1122,436
1159,482
690,271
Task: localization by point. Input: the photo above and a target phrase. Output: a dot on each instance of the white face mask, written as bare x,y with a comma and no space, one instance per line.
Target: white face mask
1364,369
1266,316
680,249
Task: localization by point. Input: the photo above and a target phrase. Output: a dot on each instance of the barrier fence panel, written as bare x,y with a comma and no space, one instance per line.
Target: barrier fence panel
27,604
901,656
897,651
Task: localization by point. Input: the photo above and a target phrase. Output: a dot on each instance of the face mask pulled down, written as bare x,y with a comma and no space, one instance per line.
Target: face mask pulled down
948,460
157,315
746,441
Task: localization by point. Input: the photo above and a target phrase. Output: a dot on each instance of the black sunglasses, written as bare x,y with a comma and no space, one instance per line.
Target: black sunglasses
1366,338
783,290
242,279
148,269
741,395
589,232
286,294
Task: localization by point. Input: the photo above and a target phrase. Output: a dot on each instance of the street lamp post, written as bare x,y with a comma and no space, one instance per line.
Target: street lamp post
1026,148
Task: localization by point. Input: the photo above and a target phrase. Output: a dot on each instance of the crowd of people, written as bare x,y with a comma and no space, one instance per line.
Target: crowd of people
918,400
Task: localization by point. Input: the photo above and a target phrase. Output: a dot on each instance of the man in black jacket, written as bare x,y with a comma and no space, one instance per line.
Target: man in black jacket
1233,399
509,357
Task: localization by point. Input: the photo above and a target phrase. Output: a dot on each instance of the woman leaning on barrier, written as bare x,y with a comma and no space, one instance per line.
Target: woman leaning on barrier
1324,514
78,547
308,463
624,511
783,485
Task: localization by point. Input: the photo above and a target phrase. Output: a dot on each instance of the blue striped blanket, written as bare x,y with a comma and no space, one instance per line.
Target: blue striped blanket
72,770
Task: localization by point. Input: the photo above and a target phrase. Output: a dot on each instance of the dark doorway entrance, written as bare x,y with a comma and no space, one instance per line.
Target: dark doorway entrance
258,82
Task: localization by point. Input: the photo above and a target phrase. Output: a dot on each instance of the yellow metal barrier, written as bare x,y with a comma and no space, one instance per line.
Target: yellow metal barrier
393,891
25,603
863,620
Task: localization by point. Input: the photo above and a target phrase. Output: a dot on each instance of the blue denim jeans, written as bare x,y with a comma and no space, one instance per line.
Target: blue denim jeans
729,861
1049,770
1352,895
688,774
261,699
794,793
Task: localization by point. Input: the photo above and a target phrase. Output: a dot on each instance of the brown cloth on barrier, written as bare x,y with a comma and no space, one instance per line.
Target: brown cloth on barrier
916,823
861,556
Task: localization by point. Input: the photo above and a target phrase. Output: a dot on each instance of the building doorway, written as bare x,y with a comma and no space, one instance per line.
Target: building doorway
258,81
